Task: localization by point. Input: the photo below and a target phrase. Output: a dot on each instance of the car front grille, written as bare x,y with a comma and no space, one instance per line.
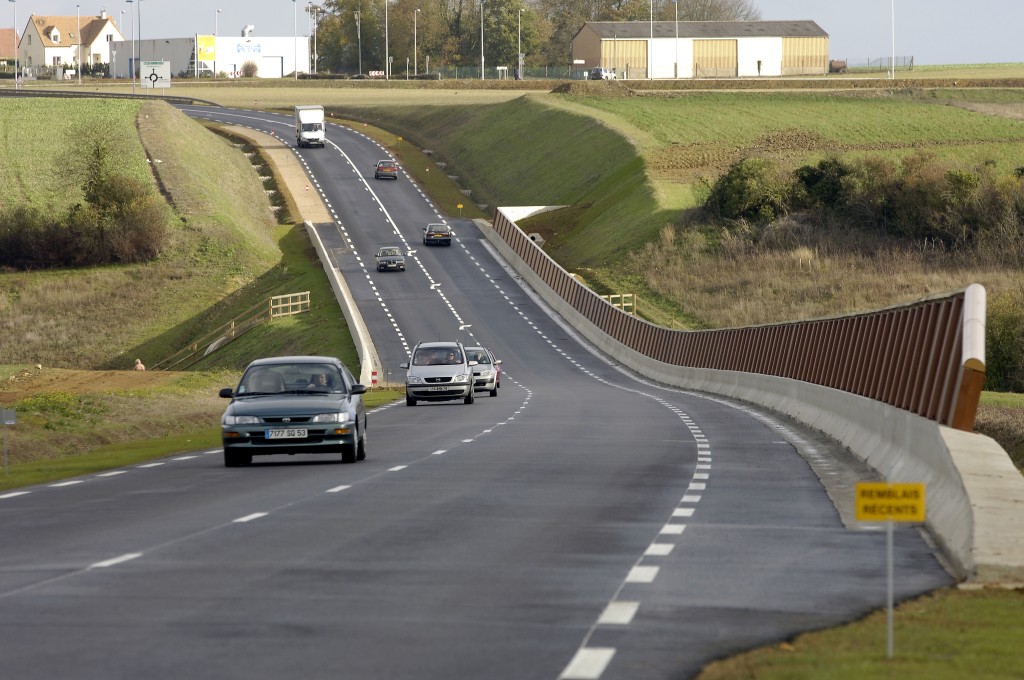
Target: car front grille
435,381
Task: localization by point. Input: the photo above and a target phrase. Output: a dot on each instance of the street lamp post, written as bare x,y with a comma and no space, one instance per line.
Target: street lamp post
892,17
79,36
295,38
482,39
316,16
519,46
387,54
17,46
415,45
677,40
216,16
650,47
131,66
359,40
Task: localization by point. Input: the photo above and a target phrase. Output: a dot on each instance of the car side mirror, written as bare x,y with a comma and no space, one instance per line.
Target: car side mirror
227,393
404,364
358,389
497,361
473,363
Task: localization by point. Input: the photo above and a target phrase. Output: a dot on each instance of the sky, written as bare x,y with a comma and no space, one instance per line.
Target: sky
930,31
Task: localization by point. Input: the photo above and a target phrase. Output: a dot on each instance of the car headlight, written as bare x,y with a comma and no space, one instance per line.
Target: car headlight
460,378
331,418
240,420
414,380
487,373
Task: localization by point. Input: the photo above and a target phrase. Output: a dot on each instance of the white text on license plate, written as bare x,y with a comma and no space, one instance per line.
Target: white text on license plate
440,388
289,433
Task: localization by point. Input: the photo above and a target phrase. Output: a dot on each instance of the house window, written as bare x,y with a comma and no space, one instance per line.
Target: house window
56,60
55,36
110,37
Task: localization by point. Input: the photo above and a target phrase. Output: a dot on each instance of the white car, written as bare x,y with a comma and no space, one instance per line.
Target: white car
598,73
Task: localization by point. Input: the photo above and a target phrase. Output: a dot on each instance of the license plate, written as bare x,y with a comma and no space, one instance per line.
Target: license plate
290,433
440,388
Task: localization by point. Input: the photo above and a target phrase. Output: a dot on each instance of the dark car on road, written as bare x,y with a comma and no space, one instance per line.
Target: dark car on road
295,404
390,258
437,235
385,169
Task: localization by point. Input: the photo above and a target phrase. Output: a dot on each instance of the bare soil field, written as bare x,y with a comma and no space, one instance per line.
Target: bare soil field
30,381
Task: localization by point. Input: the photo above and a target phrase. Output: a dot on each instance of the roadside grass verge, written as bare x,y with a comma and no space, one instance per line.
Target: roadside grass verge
947,635
113,429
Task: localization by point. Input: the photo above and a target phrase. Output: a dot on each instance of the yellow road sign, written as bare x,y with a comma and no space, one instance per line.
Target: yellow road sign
882,502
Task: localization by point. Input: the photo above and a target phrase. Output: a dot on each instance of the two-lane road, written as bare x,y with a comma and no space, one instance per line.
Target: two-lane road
582,524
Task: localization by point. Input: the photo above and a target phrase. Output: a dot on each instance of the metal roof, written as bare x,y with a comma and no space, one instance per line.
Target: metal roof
706,29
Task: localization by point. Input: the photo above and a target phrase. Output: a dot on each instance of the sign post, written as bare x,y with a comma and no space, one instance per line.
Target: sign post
9,417
884,502
155,74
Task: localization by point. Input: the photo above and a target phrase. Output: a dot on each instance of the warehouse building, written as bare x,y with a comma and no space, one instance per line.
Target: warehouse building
703,49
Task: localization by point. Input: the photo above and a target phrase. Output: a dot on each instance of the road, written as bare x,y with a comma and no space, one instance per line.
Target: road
582,524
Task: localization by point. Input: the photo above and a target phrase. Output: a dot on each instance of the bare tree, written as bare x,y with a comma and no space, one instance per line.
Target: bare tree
716,10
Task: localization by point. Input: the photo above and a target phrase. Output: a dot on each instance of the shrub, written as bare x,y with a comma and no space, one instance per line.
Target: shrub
250,69
1004,342
752,189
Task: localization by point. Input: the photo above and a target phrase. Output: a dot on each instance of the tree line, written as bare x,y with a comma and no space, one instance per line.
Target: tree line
447,33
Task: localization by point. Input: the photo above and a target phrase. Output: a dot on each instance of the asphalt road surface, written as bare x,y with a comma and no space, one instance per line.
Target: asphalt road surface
581,524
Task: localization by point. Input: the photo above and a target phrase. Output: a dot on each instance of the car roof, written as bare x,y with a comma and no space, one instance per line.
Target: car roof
385,162
438,226
440,343
303,359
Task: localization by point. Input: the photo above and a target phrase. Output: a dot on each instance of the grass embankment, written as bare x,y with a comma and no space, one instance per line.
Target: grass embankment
228,253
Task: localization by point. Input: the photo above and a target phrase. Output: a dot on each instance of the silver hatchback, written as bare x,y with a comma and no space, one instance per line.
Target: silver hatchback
438,371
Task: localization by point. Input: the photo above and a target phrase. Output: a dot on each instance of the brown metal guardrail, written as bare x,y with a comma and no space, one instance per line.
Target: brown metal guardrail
926,357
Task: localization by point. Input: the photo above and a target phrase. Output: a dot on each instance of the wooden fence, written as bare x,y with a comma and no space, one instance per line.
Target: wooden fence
275,307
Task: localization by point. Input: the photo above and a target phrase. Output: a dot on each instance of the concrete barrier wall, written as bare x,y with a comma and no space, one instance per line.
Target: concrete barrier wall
975,497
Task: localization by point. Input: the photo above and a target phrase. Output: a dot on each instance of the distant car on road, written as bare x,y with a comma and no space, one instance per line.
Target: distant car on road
487,372
385,169
598,73
390,258
438,371
295,404
437,235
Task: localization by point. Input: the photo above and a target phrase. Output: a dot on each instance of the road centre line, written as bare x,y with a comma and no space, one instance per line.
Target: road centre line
15,494
115,560
249,518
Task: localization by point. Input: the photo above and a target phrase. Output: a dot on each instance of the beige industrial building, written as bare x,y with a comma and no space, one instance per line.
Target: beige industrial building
702,49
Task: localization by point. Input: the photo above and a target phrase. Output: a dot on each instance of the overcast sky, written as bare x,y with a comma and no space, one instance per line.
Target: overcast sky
930,31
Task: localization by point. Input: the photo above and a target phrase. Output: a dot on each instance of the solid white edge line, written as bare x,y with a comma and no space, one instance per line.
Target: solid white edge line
115,560
249,518
588,664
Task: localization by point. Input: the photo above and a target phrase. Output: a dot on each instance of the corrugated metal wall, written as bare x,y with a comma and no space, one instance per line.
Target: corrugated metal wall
627,57
804,56
715,58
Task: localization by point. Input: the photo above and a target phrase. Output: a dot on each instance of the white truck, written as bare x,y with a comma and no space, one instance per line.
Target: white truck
309,126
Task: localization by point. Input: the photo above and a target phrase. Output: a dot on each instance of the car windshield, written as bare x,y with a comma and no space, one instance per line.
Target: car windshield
437,356
292,378
477,355
389,251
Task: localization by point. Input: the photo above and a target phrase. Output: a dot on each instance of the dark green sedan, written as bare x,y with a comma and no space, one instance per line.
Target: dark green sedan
296,404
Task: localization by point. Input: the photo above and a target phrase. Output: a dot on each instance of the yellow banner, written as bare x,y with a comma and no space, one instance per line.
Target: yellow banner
206,47
882,502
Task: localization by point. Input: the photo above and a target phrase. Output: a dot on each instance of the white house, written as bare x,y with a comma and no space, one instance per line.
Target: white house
50,41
